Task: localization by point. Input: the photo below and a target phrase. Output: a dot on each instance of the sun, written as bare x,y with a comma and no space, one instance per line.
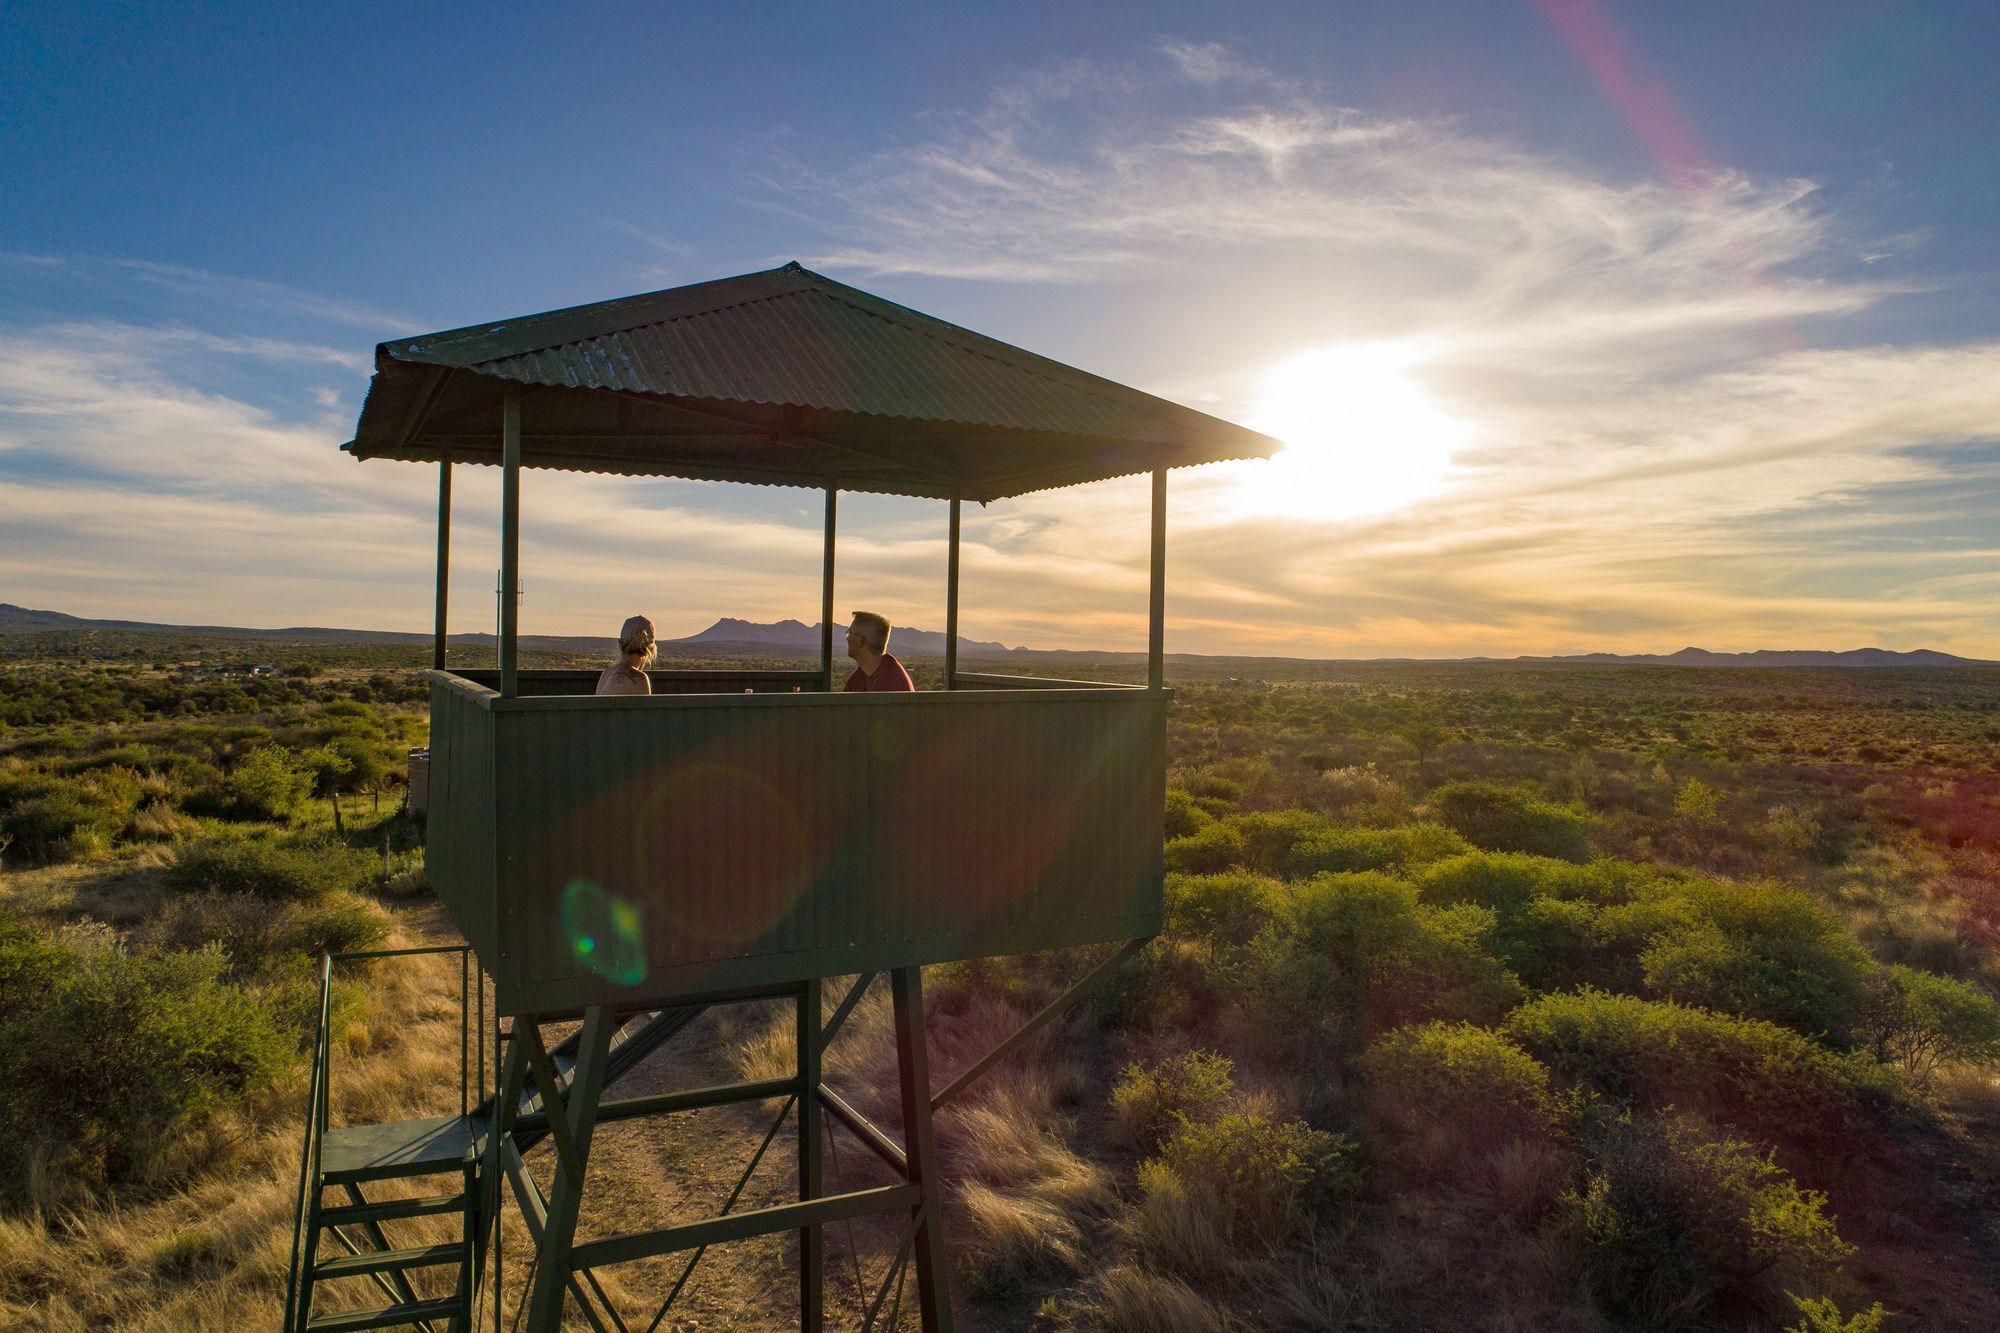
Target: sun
1362,434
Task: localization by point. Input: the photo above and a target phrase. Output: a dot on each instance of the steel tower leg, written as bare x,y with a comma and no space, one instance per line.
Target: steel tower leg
570,1125
812,1245
913,1068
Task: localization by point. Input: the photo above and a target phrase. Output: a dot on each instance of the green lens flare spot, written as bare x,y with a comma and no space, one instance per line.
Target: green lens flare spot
605,932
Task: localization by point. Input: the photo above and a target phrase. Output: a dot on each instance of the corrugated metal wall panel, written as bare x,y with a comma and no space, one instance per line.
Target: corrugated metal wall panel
459,845
757,843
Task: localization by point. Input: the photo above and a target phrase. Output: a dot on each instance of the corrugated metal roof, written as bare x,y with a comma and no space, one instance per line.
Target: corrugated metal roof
783,377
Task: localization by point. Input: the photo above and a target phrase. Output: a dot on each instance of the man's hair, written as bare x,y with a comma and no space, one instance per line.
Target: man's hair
877,627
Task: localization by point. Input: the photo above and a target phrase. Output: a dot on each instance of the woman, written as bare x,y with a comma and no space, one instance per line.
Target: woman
635,654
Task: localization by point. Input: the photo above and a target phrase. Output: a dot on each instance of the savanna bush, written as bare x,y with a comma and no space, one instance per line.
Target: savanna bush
1221,911
1763,951
1460,1072
260,935
105,1054
1504,819
1258,1178
1153,1101
1745,1072
1183,815
1359,954
266,869
1403,849
1211,848
1679,1229
51,819
1920,1021
268,783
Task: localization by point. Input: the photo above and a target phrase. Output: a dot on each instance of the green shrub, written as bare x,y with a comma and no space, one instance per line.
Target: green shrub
1268,837
1920,1020
59,826
1459,1072
104,1055
337,923
1153,1101
266,869
1359,954
1212,848
1402,848
1679,1230
1763,952
1822,1314
1259,1178
1221,911
1502,819
1183,815
269,783
49,819
1738,1071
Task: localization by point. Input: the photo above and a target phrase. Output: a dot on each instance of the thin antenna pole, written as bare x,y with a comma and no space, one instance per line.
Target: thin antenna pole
951,602
510,542
1156,640
444,558
826,600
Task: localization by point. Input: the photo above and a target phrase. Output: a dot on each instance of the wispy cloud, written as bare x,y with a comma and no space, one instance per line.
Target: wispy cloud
1635,353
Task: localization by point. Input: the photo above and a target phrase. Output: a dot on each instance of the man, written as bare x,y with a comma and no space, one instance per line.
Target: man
875,671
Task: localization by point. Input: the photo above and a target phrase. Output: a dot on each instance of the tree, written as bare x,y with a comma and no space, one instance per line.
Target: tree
330,771
1426,735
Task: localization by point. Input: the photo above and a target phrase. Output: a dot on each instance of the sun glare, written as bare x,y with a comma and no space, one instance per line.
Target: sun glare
1362,434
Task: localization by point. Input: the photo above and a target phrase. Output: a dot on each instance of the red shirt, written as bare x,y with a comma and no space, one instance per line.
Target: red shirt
888,677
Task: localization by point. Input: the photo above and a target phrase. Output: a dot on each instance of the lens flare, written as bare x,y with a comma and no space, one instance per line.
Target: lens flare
605,932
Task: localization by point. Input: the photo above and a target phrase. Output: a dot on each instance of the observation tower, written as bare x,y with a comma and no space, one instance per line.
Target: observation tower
620,864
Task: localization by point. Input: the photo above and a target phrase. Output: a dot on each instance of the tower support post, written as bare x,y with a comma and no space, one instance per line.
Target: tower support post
1156,601
571,1127
826,596
812,1241
951,601
913,1072
444,561
510,542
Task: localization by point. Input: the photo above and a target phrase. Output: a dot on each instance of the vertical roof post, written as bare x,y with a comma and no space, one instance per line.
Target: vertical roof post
510,542
444,558
826,601
951,602
1156,638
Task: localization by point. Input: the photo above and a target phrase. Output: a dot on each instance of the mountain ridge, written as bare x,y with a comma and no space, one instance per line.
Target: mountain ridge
797,636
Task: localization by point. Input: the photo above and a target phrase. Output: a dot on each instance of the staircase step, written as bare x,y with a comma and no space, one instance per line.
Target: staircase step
383,1261
354,1153
388,1210
387,1316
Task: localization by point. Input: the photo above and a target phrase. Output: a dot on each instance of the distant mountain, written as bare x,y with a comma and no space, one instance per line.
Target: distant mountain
1767,657
22,620
794,634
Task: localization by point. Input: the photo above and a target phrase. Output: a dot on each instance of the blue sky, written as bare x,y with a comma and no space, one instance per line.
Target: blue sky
1605,325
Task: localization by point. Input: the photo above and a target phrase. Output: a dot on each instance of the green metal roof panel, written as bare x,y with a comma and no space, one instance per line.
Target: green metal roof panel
781,377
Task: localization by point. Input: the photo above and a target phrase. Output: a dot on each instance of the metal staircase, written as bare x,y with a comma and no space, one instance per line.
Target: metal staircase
349,1238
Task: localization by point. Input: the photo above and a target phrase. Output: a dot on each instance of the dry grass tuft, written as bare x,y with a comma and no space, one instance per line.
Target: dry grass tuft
1131,1300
